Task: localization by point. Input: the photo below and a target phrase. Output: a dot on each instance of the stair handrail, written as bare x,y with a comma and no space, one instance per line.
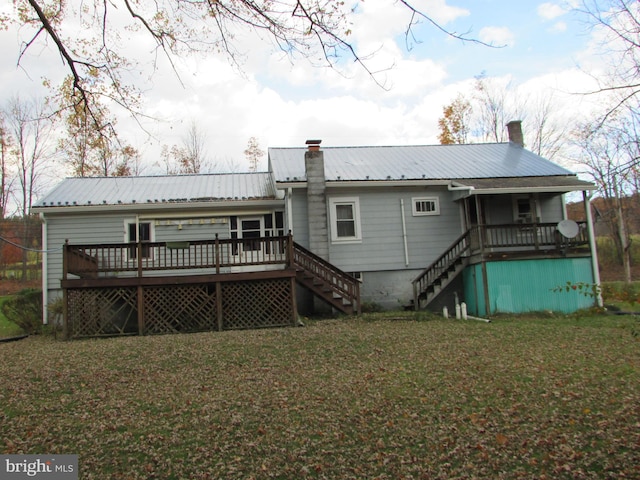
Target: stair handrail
457,249
340,281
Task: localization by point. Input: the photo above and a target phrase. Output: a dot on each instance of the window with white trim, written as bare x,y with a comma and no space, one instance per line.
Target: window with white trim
344,214
425,206
142,234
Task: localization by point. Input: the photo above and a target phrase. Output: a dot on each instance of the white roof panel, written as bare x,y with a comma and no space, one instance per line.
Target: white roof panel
159,189
431,162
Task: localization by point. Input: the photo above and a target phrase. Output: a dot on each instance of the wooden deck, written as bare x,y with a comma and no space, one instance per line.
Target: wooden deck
169,287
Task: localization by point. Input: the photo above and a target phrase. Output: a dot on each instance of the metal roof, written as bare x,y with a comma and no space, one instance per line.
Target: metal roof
431,162
90,191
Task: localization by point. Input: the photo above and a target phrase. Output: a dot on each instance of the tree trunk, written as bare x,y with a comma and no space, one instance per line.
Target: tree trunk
625,244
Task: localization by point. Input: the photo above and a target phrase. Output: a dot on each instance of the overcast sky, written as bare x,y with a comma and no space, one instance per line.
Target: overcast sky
545,48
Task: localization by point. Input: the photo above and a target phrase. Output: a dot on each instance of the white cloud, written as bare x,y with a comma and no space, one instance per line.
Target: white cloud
284,103
559,27
497,36
550,11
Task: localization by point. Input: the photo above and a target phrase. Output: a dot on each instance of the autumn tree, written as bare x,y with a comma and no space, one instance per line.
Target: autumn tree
6,180
253,153
90,146
544,125
190,157
493,110
606,151
455,121
30,128
617,27
100,60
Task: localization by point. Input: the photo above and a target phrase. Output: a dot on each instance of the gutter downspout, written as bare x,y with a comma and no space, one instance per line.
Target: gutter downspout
404,234
592,244
45,270
290,210
458,188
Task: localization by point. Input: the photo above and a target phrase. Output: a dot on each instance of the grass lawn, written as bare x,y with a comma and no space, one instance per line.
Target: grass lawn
7,329
355,398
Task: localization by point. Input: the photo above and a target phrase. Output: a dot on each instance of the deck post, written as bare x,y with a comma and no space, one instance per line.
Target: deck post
65,307
65,259
216,247
290,250
219,315
294,306
139,247
65,315
140,298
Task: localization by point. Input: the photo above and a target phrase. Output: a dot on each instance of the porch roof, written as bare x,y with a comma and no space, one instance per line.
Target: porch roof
158,190
558,183
425,163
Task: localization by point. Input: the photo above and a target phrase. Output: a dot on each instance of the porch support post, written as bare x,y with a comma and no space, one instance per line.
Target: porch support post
140,295
481,228
592,244
485,287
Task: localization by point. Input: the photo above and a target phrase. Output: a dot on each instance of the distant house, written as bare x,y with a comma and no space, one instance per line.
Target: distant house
398,227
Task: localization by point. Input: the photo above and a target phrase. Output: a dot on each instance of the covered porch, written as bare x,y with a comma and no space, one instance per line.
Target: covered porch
514,247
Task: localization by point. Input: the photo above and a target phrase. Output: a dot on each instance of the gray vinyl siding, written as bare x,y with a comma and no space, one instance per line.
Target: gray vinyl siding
93,229
81,229
499,208
551,208
382,246
190,232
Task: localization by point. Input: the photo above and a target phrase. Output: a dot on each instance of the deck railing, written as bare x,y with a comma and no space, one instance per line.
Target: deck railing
525,237
131,259
341,284
126,260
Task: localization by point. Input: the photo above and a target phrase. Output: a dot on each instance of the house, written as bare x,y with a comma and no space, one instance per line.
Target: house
404,226
483,217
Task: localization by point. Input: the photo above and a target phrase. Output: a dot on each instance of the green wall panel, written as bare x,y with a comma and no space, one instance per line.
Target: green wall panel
520,286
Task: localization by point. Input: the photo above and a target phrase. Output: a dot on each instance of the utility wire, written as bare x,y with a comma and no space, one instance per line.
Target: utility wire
22,247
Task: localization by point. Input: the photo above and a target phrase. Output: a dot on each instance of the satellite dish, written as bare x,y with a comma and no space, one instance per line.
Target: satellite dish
568,228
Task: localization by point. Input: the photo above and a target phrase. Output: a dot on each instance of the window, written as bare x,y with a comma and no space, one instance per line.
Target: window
345,219
523,210
250,229
143,234
268,225
425,206
274,227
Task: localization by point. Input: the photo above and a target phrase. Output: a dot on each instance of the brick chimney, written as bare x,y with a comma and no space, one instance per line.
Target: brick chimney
514,128
316,199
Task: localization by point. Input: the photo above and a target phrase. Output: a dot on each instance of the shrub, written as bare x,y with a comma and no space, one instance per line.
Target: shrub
25,310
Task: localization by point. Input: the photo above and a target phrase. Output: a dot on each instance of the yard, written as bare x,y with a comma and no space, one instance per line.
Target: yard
416,397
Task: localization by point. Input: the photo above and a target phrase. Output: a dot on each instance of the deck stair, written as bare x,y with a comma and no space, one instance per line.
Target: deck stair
437,276
337,288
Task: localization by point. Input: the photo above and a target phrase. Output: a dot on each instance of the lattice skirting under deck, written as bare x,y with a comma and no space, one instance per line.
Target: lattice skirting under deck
180,308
